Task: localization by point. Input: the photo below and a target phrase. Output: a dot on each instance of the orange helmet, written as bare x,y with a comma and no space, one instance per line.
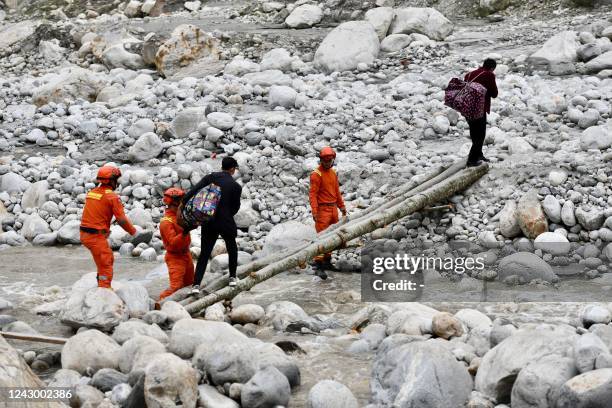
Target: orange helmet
108,173
327,152
173,195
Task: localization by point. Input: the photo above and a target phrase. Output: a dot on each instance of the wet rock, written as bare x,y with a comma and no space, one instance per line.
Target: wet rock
186,45
90,350
168,378
136,353
501,364
530,215
552,243
106,379
331,394
346,46
446,325
410,373
129,329
282,313
304,16
539,383
249,313
427,21
267,388
591,389
527,266
380,18
210,397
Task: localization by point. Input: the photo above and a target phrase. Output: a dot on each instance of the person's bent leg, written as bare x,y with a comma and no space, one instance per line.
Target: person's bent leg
105,261
232,253
209,238
176,271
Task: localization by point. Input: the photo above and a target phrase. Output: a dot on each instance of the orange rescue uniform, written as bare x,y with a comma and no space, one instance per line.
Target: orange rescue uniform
325,199
178,257
101,204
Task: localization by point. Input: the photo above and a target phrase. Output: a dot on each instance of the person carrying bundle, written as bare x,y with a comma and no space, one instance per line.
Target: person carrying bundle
221,222
176,240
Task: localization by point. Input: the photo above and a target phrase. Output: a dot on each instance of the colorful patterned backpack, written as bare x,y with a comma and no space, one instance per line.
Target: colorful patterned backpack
202,207
467,98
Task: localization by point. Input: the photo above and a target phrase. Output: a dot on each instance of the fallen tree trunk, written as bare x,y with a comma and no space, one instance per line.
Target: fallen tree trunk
33,337
411,186
433,194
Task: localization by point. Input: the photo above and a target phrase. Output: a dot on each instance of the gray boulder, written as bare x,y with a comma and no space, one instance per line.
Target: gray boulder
596,137
423,374
380,18
106,379
500,366
527,266
33,226
97,308
136,298
168,379
304,16
589,390
148,146
331,394
282,96
131,328
136,353
552,208
538,384
34,196
530,215
188,334
90,349
590,220
562,47
248,313
602,62
69,233
13,183
508,220
210,397
65,378
186,121
587,349
552,243
290,234
268,388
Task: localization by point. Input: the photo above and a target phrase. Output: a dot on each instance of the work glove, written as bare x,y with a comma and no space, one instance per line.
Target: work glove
345,216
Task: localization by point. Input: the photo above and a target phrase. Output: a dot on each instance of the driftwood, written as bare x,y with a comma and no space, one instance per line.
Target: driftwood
428,196
33,337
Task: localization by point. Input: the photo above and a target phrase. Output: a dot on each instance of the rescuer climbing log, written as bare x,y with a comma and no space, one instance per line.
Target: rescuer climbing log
419,193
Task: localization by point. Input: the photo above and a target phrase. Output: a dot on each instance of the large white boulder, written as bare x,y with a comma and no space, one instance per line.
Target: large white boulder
304,16
188,334
34,196
90,349
562,47
282,96
554,244
97,308
136,353
13,183
604,61
68,85
289,234
167,379
148,146
395,42
346,46
34,225
69,233
596,137
380,18
427,21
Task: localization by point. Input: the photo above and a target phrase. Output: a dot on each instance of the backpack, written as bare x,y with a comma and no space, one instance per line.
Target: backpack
467,98
202,207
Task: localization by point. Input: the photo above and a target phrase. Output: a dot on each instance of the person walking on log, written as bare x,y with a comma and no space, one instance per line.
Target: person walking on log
223,222
325,200
176,241
478,127
101,204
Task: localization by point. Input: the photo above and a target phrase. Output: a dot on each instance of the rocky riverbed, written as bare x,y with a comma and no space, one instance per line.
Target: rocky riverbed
166,89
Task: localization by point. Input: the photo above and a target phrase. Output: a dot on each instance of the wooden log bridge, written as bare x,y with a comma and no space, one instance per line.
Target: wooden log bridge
420,193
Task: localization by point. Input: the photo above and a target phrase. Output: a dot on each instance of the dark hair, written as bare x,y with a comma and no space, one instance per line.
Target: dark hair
489,63
228,163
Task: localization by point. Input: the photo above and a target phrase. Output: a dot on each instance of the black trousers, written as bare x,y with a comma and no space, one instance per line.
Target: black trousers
478,131
209,238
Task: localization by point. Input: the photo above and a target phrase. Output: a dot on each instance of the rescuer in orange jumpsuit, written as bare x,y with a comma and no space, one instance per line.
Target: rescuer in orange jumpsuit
325,200
101,204
176,241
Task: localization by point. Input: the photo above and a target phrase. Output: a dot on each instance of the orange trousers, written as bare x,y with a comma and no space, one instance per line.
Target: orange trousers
180,272
102,255
327,215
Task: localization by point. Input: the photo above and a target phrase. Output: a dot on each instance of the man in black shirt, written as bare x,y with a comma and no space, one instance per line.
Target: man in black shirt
223,222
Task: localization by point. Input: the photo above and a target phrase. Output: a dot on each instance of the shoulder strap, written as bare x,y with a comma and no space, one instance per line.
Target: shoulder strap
167,219
317,171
